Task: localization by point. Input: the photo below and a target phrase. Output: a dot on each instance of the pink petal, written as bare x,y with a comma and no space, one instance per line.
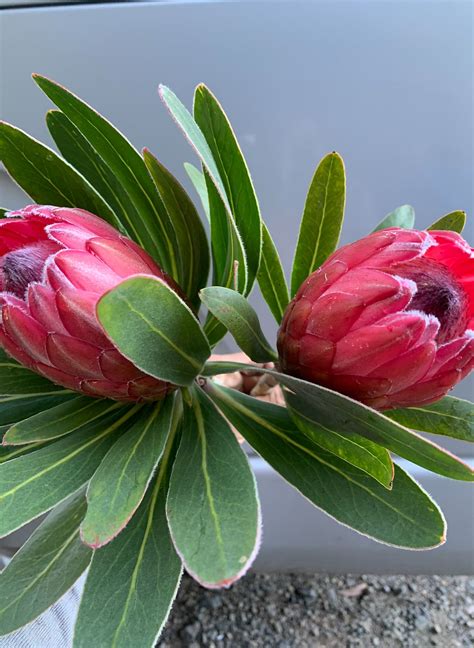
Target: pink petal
42,305
316,353
318,282
74,356
13,350
18,233
367,348
86,220
333,315
28,334
106,389
409,368
117,256
360,388
148,389
428,391
298,316
117,368
86,272
69,236
59,377
76,309
144,256
362,251
388,306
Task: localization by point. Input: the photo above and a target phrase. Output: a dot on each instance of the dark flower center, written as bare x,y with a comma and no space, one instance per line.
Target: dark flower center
438,294
25,265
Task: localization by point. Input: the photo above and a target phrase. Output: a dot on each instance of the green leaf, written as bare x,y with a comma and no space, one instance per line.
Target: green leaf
227,246
403,217
132,581
8,453
59,420
35,482
271,277
404,516
235,175
120,483
154,329
75,148
44,176
454,221
3,211
452,417
347,416
45,567
146,218
199,183
20,406
235,312
322,219
17,379
353,448
229,263
212,507
192,247
195,137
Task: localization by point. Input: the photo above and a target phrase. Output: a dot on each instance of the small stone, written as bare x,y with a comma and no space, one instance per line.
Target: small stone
421,622
435,629
191,631
470,610
375,641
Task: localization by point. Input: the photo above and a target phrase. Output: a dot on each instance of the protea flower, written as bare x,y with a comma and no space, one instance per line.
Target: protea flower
55,264
387,320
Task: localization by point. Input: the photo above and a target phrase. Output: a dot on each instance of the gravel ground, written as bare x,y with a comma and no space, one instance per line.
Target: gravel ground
299,611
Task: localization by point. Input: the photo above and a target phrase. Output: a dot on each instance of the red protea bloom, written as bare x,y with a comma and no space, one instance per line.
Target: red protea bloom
55,264
387,320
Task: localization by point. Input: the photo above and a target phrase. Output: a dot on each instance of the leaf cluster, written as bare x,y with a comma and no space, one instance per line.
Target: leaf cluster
137,492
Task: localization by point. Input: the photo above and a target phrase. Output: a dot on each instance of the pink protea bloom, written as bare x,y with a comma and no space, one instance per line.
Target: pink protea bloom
55,264
387,320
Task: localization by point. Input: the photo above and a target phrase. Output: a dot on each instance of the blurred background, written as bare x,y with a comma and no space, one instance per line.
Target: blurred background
387,83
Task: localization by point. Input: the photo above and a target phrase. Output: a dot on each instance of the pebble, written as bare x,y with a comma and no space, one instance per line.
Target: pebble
308,611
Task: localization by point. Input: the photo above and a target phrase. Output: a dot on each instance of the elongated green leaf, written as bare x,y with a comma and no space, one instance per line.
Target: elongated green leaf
355,449
120,483
350,419
227,246
229,262
234,311
452,417
3,211
195,137
35,482
132,582
192,246
45,176
16,379
199,183
322,219
59,420
75,148
271,277
147,219
212,507
20,406
454,221
155,329
47,565
8,453
404,516
347,416
403,217
235,175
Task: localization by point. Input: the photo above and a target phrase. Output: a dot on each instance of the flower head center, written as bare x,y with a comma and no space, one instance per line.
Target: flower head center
21,267
439,294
